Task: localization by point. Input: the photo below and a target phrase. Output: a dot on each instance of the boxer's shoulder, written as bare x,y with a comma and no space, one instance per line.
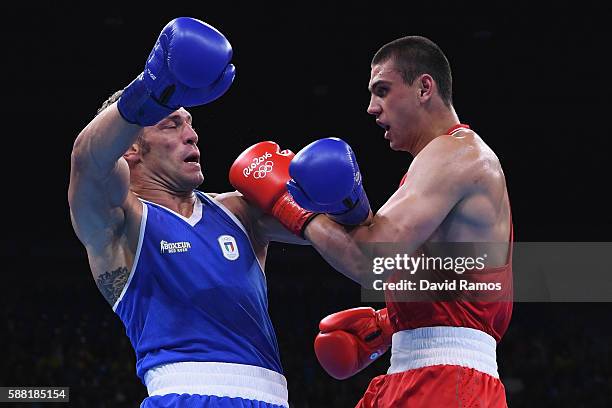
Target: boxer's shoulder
459,165
449,155
462,142
230,199
235,202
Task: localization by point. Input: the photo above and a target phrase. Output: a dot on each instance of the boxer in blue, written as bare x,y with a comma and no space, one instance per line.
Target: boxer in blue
182,269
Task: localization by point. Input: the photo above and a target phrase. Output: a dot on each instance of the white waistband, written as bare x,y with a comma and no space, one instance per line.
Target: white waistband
443,345
218,379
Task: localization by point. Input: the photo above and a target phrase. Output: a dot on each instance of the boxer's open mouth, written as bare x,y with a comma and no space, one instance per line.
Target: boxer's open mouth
383,125
192,158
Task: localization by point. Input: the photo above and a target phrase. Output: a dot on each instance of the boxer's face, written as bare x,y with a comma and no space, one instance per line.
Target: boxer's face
393,103
171,156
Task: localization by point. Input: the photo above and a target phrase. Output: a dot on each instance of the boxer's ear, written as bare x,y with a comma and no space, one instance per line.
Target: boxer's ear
132,155
425,86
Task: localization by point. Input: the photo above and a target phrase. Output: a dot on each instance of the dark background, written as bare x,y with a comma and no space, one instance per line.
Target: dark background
531,78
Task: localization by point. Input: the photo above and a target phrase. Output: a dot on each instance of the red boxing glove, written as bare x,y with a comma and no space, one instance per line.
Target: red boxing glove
351,340
261,173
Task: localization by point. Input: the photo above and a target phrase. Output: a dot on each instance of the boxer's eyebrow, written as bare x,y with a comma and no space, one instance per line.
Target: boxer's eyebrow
171,119
179,118
188,118
377,84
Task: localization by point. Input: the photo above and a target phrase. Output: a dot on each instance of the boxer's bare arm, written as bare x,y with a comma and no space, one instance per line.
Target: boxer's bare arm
99,197
260,227
273,230
99,176
440,176
264,228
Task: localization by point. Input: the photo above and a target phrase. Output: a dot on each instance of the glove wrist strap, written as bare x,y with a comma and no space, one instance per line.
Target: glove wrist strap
356,215
137,105
291,215
384,322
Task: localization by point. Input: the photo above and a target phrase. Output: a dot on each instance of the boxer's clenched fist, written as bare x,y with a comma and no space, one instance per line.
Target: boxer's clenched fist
261,173
188,66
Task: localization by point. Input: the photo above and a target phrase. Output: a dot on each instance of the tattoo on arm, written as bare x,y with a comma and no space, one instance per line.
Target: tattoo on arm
111,283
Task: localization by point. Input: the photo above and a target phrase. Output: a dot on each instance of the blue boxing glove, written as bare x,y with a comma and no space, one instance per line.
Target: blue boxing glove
189,66
325,178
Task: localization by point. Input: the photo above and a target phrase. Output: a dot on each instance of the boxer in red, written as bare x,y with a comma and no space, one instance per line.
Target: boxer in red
443,352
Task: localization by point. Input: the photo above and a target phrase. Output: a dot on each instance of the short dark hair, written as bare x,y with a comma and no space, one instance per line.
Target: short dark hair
110,100
416,55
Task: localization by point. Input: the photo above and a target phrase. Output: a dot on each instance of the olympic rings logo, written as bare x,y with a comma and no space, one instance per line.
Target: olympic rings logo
259,167
263,170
